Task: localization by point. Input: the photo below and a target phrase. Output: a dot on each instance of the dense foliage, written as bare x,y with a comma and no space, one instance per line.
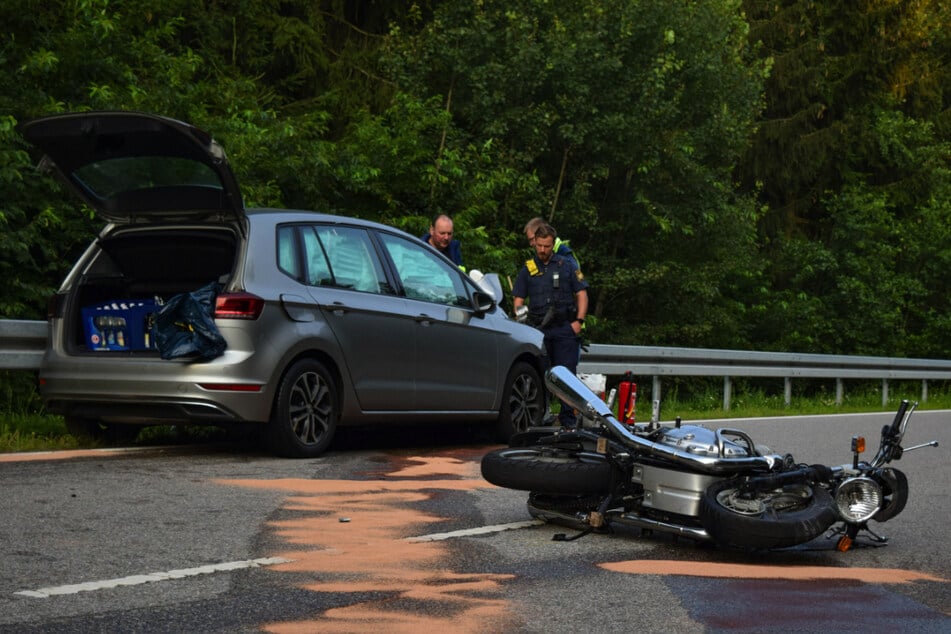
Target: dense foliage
732,173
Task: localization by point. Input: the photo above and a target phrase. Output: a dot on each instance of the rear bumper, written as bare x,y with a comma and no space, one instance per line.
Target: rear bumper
146,412
155,392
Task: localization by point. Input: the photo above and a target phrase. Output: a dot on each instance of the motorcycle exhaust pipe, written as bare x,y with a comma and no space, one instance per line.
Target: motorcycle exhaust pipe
631,520
645,523
569,388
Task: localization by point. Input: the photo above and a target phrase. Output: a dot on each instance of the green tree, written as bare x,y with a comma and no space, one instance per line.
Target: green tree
264,77
850,161
632,115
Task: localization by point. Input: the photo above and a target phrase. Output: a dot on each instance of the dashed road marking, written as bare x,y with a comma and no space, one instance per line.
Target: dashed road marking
466,532
134,580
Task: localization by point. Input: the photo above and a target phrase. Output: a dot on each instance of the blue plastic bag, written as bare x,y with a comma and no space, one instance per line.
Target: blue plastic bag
186,327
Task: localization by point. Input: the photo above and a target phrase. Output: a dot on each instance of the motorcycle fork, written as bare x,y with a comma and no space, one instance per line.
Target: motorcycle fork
850,532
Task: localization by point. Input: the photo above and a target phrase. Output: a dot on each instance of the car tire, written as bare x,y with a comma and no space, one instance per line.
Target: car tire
523,401
306,411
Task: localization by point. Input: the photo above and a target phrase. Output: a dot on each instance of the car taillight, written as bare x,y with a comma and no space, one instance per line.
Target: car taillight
238,306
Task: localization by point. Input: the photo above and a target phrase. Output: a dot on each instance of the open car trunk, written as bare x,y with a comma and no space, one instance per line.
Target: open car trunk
130,274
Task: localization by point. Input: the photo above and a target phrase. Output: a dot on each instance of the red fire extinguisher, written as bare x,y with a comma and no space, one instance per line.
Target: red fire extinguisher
627,399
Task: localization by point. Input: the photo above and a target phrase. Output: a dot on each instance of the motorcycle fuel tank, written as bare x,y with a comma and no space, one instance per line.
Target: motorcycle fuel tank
701,441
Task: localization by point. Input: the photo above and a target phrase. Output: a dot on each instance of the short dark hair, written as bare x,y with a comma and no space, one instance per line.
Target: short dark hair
546,231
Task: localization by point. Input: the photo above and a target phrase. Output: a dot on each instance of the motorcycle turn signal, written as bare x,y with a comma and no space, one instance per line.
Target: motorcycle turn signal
858,446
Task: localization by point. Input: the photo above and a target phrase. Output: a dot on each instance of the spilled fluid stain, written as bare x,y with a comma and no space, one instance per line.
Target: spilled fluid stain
749,571
410,588
66,454
760,598
368,553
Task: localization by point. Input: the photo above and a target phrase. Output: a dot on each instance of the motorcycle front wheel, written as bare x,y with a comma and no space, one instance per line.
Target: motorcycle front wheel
784,517
548,470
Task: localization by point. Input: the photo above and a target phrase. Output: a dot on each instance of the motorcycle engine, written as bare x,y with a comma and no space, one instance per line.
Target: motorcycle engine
700,441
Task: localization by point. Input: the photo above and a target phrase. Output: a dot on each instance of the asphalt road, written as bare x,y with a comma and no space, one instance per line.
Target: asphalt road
395,532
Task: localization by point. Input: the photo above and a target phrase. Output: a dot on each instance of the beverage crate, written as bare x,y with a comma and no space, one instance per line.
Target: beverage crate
122,324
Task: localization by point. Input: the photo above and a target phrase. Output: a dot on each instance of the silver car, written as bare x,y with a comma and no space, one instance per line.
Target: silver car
323,320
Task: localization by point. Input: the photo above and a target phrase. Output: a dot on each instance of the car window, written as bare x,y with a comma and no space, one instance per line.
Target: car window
110,177
342,257
287,257
318,269
423,274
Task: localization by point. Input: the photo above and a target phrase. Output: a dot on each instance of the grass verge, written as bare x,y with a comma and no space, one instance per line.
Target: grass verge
43,432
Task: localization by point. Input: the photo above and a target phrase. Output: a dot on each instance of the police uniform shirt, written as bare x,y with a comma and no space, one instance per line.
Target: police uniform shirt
545,284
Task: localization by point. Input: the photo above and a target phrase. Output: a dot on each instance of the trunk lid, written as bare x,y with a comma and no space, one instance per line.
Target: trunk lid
134,167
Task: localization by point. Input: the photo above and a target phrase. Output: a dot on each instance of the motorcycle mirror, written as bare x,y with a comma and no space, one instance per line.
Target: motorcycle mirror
566,386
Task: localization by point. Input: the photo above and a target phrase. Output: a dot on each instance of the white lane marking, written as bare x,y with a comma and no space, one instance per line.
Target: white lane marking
134,580
482,530
44,593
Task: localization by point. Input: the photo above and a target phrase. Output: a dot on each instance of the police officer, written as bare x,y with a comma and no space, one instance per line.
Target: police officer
557,304
562,247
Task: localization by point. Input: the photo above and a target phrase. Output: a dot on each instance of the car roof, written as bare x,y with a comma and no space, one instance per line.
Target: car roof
304,215
133,165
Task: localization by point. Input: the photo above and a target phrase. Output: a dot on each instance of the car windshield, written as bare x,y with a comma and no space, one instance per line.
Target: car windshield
106,179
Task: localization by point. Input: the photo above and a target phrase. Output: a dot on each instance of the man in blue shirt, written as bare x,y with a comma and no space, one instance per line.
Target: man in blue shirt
440,237
557,295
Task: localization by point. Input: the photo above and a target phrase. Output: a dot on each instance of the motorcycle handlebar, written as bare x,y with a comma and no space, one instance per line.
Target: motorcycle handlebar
890,447
896,425
812,473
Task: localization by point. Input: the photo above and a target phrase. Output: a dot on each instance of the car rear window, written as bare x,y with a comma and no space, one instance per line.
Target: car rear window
110,178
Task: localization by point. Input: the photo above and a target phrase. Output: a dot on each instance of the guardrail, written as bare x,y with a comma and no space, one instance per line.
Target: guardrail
22,343
657,362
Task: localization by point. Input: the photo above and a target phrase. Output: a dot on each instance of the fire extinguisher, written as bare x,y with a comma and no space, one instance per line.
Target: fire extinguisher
627,399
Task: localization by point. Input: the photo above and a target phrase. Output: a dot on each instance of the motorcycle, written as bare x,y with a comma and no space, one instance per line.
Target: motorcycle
709,485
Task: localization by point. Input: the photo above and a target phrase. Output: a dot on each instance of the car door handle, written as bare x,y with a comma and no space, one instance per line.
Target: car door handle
339,309
424,320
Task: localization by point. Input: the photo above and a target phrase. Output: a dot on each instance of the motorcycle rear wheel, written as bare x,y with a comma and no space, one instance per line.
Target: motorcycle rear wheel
792,515
548,470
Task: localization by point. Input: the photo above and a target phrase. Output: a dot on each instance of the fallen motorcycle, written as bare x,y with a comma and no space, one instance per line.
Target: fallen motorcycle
689,480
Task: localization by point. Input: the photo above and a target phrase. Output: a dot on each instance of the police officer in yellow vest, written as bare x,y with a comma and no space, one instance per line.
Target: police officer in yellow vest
557,304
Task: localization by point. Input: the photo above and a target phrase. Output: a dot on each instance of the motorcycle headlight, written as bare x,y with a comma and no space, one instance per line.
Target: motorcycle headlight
858,499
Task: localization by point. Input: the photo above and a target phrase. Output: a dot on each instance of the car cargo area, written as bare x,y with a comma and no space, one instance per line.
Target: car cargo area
131,274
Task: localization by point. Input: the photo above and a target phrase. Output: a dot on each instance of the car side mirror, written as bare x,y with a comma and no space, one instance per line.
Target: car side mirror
488,282
490,291
482,302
